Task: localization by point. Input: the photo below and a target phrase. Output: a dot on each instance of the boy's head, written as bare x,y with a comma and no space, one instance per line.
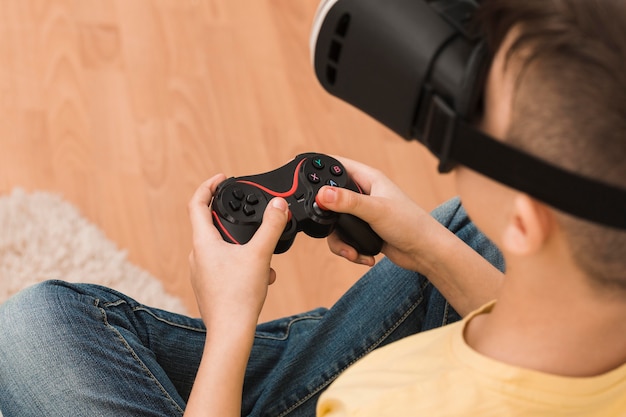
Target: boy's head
557,89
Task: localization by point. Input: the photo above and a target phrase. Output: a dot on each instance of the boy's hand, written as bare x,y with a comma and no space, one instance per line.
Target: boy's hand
401,223
230,281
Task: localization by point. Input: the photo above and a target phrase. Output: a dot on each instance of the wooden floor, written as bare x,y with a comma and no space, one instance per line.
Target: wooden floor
125,106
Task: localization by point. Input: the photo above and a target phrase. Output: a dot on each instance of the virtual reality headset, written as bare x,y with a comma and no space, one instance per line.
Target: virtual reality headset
417,67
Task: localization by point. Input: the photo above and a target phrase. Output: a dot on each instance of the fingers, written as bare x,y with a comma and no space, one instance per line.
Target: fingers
362,174
368,208
266,237
273,224
198,208
340,248
341,200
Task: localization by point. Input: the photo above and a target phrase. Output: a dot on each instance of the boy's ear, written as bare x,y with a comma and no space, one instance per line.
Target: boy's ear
528,227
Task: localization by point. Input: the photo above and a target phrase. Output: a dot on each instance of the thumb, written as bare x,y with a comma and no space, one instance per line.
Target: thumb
272,226
342,200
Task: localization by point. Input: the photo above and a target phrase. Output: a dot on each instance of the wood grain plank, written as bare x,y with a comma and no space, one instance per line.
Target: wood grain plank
124,107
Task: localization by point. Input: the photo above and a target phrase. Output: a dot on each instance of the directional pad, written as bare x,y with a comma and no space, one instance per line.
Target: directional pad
244,203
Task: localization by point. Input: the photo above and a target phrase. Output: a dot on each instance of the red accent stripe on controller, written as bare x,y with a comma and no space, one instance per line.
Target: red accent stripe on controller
221,226
294,185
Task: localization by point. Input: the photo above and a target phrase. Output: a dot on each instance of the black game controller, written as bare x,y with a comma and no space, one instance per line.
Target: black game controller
239,204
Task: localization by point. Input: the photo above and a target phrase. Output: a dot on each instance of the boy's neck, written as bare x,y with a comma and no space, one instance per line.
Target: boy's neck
549,318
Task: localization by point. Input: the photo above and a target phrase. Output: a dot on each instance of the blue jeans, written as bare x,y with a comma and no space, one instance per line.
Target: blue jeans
85,350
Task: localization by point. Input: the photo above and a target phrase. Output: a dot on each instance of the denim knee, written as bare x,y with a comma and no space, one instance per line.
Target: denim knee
39,306
30,318
60,356
34,329
45,301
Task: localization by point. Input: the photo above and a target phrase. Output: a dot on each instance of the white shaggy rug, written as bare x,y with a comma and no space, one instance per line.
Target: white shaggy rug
44,237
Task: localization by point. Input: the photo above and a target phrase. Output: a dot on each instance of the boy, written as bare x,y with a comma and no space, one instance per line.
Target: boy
553,340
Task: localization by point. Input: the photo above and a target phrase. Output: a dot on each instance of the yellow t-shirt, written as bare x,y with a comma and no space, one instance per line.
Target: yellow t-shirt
437,374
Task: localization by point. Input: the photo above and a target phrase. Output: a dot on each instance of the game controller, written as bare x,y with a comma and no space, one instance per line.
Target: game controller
240,202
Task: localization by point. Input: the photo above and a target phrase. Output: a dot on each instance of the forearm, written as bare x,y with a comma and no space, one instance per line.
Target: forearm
462,275
230,283
217,390
416,241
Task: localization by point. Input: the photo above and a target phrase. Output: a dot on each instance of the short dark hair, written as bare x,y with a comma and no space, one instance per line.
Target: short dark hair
570,104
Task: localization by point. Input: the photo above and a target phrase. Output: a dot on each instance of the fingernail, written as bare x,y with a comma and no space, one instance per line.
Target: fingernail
280,204
329,194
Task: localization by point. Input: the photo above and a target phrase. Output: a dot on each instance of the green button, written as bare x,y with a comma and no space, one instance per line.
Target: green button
318,163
